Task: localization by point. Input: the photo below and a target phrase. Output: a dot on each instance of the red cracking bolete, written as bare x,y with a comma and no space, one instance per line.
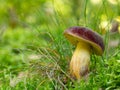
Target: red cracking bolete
86,42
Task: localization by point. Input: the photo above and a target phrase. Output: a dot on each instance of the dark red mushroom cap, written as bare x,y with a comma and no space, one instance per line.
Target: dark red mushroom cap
82,34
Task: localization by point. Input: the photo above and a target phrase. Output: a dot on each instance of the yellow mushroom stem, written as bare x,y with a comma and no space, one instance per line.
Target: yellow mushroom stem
79,65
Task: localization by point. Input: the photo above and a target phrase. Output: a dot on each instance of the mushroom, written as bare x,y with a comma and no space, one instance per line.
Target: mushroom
86,42
115,27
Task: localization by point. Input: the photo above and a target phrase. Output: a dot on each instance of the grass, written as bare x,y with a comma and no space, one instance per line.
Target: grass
39,59
50,70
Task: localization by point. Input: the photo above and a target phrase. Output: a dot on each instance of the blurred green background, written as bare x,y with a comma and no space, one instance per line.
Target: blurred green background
42,12
28,25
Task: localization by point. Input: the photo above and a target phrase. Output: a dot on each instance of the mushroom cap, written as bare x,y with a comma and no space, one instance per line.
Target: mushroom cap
82,34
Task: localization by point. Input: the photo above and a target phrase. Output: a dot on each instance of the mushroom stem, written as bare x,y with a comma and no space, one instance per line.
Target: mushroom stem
79,65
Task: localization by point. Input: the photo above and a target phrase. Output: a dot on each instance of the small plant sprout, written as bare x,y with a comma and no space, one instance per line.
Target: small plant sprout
86,42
